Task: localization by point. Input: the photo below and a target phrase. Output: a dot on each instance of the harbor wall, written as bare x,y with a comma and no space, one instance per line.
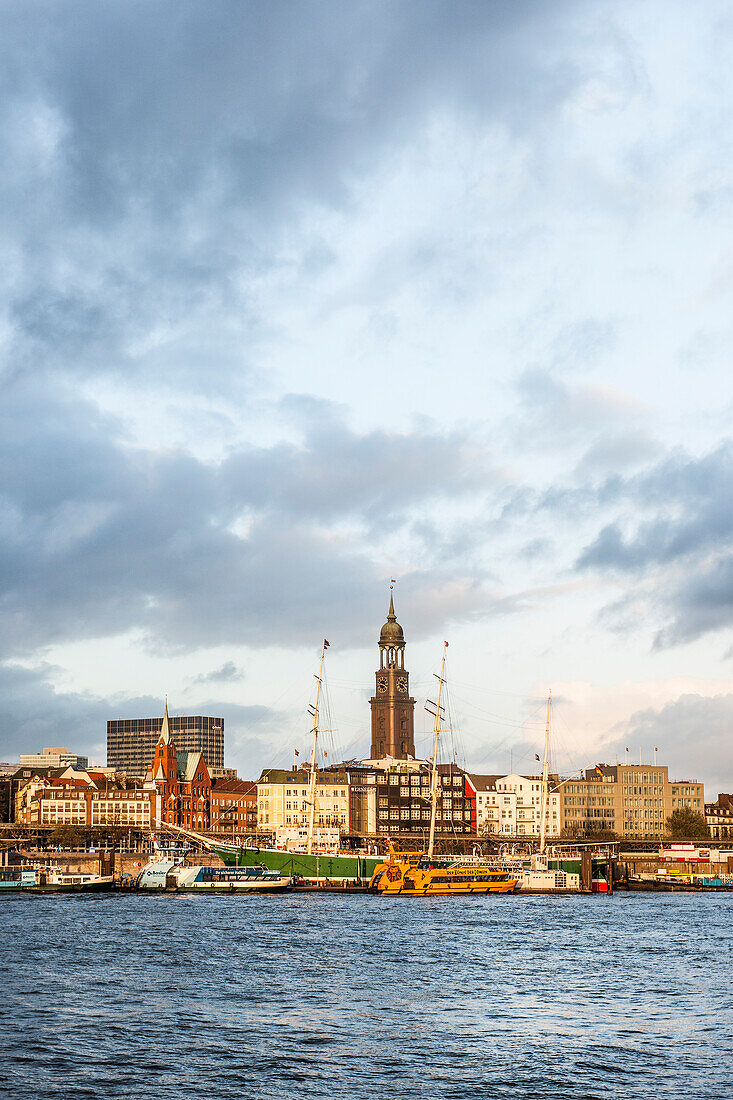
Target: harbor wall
95,862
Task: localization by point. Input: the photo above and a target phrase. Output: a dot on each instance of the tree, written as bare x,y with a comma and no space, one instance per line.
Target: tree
66,836
686,824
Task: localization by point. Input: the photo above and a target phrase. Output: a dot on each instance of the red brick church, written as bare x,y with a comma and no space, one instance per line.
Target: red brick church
182,783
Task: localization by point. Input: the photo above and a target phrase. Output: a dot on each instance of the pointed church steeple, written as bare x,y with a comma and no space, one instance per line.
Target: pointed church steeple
165,735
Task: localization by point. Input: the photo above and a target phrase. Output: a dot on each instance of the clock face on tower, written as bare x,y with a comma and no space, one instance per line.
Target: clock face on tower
402,683
381,685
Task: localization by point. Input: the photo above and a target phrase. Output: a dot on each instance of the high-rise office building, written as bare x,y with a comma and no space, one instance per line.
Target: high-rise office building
131,741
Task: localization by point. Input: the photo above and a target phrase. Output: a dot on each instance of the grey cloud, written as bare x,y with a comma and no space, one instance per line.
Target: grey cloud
565,413
692,727
227,673
99,537
692,501
170,150
675,535
34,714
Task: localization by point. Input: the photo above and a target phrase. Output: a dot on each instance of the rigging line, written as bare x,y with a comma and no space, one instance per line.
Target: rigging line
488,691
499,719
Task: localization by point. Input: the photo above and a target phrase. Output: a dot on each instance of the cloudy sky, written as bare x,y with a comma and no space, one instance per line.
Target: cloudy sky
299,297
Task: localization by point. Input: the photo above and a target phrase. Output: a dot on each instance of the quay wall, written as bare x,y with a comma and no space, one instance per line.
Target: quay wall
124,863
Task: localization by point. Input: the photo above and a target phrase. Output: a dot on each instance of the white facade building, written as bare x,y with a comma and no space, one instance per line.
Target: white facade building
53,758
510,805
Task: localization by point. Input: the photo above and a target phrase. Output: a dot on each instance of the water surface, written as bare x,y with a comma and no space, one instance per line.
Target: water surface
327,996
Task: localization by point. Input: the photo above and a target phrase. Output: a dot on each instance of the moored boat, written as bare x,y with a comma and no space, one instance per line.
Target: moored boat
17,878
53,880
163,874
417,875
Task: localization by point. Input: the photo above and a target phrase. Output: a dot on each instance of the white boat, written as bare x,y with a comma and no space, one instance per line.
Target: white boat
52,879
166,874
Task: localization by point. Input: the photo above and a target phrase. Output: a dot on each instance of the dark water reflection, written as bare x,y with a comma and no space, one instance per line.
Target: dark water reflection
366,997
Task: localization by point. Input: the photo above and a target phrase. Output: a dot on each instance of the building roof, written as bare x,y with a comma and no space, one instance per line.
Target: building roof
234,786
391,633
187,763
36,773
484,782
301,777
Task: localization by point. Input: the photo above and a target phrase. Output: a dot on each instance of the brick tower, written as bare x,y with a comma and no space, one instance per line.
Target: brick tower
393,711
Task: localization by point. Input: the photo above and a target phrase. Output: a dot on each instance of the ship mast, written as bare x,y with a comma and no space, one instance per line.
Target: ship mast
312,783
434,777
543,809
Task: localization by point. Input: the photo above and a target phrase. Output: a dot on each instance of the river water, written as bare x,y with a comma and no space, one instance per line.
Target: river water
327,996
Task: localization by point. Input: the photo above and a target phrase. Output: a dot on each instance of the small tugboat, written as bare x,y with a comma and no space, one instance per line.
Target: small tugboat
53,880
420,874
166,874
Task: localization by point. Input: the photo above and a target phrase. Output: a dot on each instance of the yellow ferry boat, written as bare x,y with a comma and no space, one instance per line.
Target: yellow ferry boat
412,874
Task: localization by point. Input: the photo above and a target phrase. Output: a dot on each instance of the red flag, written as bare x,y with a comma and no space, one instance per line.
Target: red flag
326,643
536,756
445,644
296,752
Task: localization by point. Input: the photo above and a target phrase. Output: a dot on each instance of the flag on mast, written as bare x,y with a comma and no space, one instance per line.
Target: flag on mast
536,756
326,643
296,752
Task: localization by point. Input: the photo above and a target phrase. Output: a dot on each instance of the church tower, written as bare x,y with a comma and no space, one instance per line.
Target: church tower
393,711
165,774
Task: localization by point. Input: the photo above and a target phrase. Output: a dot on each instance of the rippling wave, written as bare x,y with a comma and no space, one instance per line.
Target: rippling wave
364,997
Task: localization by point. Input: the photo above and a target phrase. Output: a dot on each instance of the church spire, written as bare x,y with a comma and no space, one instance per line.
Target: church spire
165,735
391,617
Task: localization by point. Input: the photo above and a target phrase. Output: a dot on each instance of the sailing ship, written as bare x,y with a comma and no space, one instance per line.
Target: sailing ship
309,862
539,877
421,874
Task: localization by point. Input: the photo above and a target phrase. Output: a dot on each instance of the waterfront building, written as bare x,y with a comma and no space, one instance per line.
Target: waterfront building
719,817
283,806
234,807
511,805
96,800
392,707
181,782
131,742
12,782
53,758
630,800
393,796
487,804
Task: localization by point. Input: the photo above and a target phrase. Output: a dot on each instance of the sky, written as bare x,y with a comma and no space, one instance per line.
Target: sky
297,298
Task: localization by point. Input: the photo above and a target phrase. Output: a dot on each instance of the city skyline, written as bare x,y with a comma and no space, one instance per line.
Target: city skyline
302,299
